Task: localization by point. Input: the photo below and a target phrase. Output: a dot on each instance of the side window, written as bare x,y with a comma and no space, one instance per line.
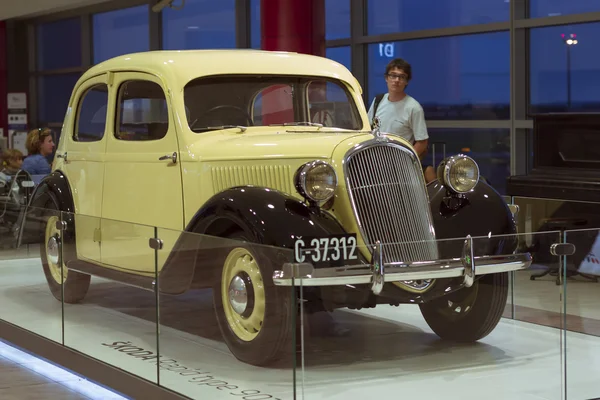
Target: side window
91,120
142,111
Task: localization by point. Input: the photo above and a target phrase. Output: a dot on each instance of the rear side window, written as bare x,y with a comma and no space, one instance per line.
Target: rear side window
91,120
142,112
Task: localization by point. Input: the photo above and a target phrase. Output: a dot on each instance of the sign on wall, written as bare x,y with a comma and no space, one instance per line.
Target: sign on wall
17,101
17,114
386,50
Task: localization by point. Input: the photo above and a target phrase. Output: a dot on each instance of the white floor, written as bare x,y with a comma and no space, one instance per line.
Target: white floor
389,351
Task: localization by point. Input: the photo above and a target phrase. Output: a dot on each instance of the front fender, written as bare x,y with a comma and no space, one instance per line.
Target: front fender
268,216
482,212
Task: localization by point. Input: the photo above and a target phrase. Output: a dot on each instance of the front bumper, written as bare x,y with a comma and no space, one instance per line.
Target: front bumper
377,273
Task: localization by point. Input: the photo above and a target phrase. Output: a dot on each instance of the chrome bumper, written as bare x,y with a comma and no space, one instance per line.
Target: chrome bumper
377,273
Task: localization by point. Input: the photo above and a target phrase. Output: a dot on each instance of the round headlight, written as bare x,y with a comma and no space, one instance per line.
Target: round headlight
316,181
459,173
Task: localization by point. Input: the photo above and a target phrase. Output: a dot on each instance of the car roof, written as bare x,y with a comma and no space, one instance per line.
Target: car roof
185,65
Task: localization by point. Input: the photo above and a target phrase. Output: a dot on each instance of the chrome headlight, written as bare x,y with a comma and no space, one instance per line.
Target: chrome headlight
459,173
316,181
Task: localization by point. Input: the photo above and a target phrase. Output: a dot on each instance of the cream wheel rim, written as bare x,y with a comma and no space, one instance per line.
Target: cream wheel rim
243,294
52,241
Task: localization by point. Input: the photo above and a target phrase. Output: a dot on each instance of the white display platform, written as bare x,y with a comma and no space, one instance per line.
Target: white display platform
388,350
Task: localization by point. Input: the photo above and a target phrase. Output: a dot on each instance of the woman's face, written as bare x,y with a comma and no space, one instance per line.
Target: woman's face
47,146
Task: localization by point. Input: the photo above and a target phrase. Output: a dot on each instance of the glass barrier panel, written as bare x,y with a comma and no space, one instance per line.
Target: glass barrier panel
31,277
542,215
581,276
424,317
226,331
110,310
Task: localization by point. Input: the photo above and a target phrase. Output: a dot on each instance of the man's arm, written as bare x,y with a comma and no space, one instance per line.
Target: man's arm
420,131
421,147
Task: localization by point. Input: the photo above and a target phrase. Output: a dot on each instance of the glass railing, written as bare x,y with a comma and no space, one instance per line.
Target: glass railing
226,331
581,280
31,284
221,317
196,314
430,328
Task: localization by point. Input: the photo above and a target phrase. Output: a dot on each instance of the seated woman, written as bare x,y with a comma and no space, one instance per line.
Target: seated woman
40,145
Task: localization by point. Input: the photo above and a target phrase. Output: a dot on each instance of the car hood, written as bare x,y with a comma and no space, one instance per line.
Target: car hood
268,143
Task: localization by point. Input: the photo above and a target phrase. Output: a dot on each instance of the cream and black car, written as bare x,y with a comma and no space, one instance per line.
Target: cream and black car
254,173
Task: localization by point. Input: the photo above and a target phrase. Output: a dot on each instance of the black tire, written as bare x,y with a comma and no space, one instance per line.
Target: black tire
76,284
274,339
485,300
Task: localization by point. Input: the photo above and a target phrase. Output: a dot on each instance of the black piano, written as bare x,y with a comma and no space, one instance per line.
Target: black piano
562,191
566,159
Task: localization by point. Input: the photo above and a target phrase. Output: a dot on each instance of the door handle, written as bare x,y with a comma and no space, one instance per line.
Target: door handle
62,156
172,157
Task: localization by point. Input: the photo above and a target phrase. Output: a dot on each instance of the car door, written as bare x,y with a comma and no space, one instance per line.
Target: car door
82,160
142,181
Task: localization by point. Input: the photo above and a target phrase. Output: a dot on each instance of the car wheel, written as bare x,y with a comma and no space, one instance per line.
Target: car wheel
253,314
468,314
70,285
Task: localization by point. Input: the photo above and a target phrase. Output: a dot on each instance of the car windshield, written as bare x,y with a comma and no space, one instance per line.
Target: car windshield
261,100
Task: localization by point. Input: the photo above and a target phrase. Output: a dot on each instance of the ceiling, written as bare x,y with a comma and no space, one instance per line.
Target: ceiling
29,8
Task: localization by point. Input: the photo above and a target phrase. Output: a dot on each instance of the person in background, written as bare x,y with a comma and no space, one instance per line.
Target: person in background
400,114
40,145
12,160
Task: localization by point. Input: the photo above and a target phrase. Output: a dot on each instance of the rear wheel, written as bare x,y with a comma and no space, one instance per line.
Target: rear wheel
62,282
253,314
468,314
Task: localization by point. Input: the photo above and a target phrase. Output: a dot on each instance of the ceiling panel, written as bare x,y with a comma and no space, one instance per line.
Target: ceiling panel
29,8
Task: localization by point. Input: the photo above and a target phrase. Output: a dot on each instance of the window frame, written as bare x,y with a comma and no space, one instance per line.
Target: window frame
118,109
80,99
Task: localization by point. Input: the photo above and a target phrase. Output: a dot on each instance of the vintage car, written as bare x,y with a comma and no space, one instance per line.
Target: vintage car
256,173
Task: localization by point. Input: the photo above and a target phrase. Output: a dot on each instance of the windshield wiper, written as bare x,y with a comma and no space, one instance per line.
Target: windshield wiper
299,123
216,128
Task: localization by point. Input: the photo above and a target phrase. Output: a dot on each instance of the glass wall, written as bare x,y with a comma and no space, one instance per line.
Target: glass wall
59,44
455,77
58,56
340,54
564,68
205,24
120,32
390,16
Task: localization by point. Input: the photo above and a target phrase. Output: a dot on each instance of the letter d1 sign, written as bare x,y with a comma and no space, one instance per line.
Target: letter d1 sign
386,50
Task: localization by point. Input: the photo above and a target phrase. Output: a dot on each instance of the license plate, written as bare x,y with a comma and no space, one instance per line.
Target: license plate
326,251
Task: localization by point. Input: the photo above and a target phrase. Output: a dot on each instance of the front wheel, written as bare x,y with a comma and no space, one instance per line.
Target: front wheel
468,314
253,314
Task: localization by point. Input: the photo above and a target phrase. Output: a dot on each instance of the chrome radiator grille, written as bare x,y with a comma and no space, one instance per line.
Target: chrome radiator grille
387,191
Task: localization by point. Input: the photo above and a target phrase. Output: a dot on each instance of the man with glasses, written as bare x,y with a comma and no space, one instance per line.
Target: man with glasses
399,113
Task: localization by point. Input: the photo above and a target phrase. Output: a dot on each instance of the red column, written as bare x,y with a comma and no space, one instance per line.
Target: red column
295,26
3,79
